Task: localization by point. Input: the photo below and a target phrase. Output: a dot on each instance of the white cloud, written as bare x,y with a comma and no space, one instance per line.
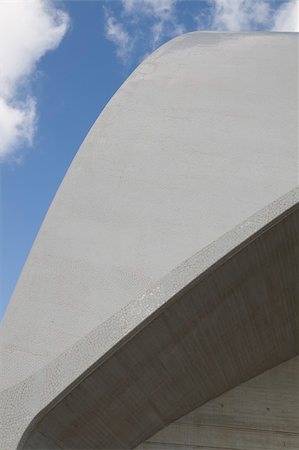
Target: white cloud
250,15
17,123
116,33
161,11
28,29
240,15
286,18
146,23
157,7
142,21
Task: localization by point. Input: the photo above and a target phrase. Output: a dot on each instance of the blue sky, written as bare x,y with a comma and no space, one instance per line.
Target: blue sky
60,63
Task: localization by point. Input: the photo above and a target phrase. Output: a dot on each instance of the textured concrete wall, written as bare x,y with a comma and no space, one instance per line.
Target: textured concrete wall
261,414
195,155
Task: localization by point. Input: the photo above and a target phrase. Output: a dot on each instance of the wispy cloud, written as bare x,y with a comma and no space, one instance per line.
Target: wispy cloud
240,15
116,33
27,31
287,17
252,15
165,22
139,26
142,23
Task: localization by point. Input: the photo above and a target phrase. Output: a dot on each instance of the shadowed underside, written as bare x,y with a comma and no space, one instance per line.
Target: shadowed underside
261,414
115,330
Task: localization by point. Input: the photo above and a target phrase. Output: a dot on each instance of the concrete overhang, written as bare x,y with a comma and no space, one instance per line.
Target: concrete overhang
195,155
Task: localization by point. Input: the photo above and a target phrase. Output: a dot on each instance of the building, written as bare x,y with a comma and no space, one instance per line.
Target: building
164,279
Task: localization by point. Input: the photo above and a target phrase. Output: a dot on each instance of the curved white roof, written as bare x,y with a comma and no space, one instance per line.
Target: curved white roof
200,137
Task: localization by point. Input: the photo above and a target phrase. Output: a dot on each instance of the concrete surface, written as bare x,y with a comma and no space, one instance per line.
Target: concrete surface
200,137
236,320
261,414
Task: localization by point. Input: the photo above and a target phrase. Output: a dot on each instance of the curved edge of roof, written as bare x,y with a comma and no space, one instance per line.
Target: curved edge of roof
70,368
165,47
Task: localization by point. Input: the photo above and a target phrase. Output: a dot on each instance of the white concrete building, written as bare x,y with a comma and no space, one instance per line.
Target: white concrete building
165,275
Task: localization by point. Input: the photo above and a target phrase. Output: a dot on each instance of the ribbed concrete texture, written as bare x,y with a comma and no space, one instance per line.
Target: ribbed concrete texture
262,414
166,270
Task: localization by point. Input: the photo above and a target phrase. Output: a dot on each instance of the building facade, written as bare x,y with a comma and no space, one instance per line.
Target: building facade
163,282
